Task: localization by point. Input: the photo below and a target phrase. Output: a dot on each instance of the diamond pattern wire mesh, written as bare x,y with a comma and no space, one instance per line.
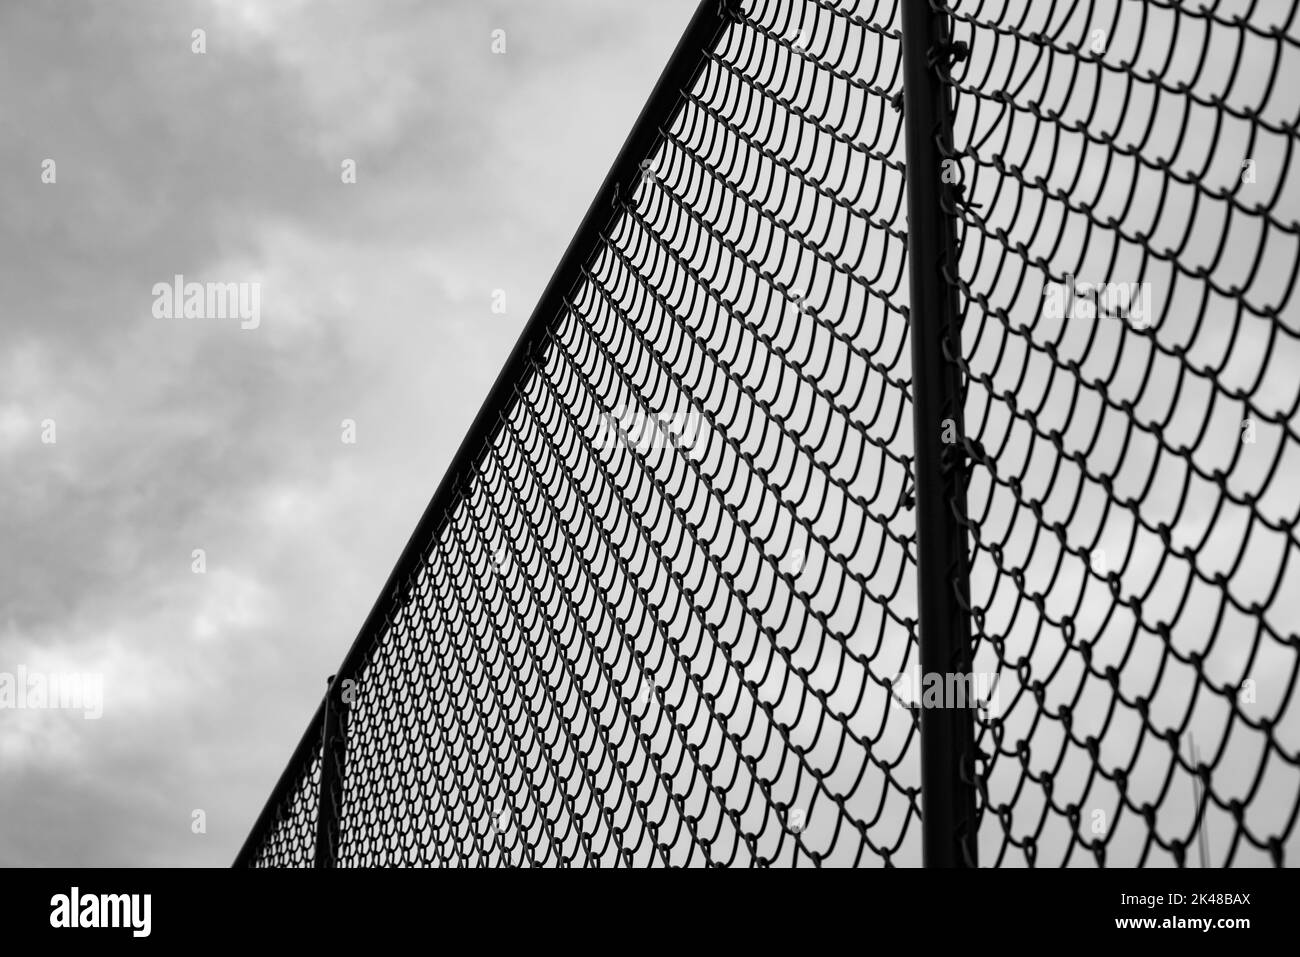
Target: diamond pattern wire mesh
290,841
659,621
1133,501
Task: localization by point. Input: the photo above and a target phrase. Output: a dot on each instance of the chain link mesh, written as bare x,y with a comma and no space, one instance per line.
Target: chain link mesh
663,618
1132,501
290,840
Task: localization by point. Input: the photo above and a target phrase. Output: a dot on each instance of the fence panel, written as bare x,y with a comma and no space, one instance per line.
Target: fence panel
1128,239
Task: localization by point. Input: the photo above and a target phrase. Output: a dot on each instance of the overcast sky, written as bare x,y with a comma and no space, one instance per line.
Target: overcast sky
472,171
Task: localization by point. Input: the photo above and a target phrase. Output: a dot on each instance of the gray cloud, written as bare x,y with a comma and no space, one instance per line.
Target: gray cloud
173,435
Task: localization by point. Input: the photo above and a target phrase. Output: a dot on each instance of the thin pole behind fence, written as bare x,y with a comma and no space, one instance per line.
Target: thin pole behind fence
331,776
947,733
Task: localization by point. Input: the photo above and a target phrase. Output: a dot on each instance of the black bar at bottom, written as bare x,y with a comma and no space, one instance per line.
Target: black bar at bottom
1029,908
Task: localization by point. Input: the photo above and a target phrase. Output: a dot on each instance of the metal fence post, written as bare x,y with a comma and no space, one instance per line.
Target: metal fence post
947,733
333,753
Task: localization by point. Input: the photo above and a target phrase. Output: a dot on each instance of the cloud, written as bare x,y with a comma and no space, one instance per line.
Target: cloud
172,435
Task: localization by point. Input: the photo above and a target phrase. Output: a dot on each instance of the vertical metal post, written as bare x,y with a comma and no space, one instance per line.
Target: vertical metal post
331,774
947,733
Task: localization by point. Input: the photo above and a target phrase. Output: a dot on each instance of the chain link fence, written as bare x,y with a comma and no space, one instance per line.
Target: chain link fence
664,608
1126,215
